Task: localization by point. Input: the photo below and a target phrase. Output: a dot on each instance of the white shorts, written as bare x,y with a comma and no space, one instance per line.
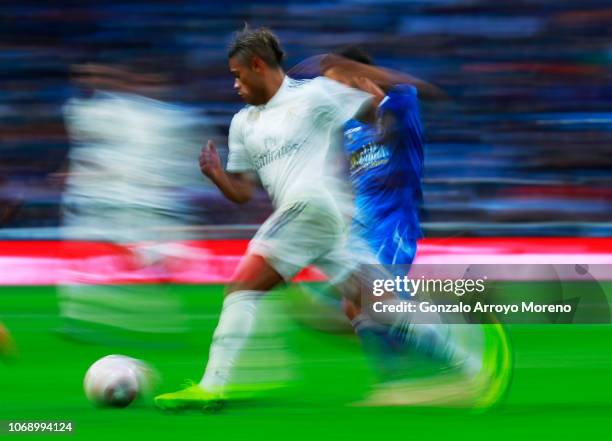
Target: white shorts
304,233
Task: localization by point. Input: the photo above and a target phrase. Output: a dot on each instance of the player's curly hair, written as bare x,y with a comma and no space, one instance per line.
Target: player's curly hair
260,42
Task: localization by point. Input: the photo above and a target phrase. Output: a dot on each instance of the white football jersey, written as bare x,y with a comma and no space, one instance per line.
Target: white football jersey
132,167
286,141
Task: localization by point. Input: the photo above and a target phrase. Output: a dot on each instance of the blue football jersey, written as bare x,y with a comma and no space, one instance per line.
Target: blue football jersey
386,170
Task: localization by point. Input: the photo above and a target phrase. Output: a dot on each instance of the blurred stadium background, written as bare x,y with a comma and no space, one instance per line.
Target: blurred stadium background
523,150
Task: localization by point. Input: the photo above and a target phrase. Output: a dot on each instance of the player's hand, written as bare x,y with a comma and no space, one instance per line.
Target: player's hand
210,163
369,86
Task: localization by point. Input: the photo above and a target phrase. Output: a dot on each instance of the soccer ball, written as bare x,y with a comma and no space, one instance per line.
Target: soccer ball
117,380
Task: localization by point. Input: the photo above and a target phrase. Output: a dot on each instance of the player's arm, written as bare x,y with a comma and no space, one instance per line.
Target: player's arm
237,187
383,78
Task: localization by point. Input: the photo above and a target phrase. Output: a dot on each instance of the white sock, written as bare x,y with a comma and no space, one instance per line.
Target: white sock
236,323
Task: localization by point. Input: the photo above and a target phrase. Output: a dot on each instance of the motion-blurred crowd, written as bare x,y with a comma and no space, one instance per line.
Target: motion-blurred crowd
522,148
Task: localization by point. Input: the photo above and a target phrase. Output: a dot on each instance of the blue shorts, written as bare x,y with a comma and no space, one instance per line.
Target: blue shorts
393,250
391,242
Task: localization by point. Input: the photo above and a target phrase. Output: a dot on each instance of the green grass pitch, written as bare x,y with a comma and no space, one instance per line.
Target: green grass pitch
561,389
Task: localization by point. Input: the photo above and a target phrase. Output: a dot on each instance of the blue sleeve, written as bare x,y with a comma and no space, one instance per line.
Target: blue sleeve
400,100
400,117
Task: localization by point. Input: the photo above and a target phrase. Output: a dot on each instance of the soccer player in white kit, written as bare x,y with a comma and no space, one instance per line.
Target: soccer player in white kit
283,135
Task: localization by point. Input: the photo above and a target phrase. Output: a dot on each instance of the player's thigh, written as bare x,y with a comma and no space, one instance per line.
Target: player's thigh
254,273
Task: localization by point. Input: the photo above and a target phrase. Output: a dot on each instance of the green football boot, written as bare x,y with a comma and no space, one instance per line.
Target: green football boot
192,397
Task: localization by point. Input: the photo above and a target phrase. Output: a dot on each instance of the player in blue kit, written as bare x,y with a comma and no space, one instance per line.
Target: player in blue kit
386,168
385,165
